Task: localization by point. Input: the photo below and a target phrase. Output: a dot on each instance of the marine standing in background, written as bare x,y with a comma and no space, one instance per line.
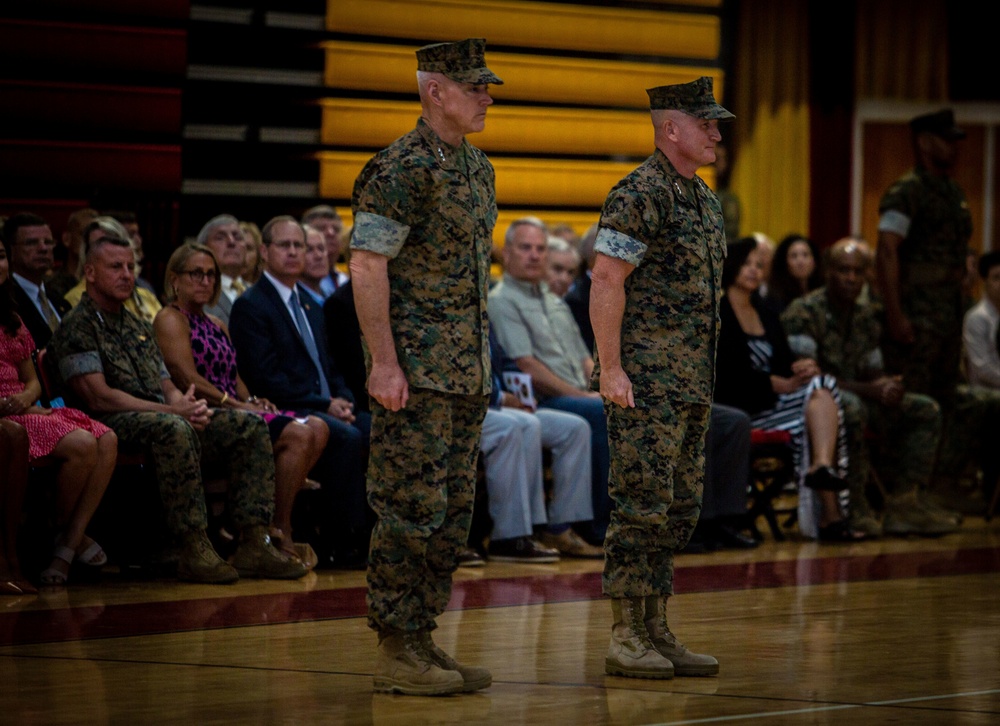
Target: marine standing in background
424,210
924,230
655,310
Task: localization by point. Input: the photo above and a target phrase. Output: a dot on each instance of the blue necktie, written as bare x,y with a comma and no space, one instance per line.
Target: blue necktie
306,332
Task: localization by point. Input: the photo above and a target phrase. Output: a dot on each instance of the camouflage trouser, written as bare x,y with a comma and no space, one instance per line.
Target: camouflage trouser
238,440
970,433
906,441
656,481
930,365
421,485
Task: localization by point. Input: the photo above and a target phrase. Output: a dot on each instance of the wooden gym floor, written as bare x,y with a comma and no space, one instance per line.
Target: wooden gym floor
900,631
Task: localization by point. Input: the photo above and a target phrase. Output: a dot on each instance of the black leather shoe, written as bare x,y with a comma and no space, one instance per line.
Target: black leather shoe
731,538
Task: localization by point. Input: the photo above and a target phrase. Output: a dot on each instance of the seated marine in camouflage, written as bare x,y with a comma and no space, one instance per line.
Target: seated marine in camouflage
842,332
112,368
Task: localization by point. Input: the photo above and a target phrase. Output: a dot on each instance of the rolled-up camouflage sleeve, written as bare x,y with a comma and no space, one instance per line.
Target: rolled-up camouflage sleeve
375,233
615,244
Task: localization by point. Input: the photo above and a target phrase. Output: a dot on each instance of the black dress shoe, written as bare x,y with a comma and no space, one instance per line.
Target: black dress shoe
731,538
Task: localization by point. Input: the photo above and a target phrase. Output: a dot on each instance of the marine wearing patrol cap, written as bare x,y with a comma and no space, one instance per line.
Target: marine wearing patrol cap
463,61
694,98
940,123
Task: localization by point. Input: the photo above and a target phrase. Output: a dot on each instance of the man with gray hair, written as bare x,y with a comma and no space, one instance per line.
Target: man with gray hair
563,265
654,304
327,220
424,211
222,235
537,330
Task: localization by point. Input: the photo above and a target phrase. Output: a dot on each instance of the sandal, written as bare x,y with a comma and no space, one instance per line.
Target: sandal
52,576
823,479
839,531
93,555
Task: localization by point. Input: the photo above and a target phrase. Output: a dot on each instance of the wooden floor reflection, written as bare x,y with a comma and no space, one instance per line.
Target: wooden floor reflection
893,631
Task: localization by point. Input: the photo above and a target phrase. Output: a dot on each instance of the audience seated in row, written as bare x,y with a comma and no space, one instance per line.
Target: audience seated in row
198,351
757,373
280,339
514,434
110,364
84,450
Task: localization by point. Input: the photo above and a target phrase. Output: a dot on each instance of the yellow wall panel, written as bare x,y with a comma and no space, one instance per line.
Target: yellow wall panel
544,182
392,68
533,25
375,124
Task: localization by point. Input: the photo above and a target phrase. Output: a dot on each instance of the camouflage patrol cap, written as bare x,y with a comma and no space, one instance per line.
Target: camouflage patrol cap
694,98
940,123
463,61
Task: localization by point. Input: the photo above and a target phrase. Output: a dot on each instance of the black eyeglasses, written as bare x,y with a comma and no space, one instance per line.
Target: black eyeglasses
200,276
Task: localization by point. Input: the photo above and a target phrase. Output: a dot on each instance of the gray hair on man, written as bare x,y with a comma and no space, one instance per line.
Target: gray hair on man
530,221
214,222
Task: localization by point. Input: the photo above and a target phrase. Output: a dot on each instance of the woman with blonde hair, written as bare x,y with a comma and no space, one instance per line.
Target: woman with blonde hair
254,260
197,350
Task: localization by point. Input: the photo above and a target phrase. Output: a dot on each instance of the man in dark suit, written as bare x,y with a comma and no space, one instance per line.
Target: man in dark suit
281,347
30,245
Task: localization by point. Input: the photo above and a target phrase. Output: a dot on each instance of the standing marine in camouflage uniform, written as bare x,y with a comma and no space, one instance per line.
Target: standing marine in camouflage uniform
111,364
424,211
924,231
654,304
841,333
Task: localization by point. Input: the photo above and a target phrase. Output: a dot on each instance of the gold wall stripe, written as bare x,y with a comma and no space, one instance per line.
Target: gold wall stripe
375,124
533,25
545,182
391,68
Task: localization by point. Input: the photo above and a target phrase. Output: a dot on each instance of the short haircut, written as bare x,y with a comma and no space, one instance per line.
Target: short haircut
987,262
16,221
320,211
266,233
113,233
216,221
529,221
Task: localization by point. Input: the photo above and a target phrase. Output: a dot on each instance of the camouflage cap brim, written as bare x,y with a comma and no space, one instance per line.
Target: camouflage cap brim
714,111
477,76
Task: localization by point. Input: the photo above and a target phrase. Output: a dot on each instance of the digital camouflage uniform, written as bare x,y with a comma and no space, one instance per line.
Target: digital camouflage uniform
846,345
430,208
932,264
931,267
123,349
671,229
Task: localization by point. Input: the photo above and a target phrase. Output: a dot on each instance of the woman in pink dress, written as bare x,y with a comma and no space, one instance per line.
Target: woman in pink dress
85,449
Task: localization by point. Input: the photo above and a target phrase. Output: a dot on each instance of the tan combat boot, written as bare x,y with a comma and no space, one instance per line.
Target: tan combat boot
199,562
685,662
907,514
631,653
474,677
402,666
255,556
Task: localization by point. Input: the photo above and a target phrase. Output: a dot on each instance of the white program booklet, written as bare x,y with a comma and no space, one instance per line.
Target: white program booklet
520,385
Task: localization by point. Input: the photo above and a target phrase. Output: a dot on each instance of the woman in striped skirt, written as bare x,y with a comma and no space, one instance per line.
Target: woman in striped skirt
755,372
